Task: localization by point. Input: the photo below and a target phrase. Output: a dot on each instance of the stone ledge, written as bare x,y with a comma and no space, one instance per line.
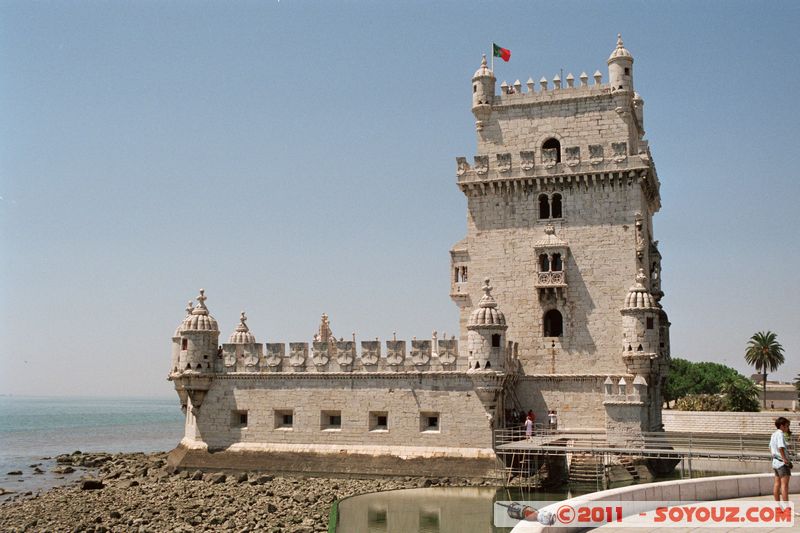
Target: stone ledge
337,461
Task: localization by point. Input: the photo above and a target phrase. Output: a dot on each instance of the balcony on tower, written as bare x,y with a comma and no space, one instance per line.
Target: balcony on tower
552,253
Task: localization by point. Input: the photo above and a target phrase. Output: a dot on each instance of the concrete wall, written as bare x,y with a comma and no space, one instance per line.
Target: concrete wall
723,422
690,490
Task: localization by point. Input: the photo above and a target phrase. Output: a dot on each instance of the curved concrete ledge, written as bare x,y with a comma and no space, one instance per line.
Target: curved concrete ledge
684,490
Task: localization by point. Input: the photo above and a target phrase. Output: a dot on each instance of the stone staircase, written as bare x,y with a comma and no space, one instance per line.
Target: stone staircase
627,462
586,469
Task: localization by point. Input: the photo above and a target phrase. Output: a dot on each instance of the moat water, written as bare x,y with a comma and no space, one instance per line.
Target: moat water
32,428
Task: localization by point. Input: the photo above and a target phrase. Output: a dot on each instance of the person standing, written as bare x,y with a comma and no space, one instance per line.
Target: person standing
528,427
781,464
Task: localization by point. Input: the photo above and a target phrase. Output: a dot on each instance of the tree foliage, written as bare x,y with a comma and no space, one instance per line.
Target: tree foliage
709,386
702,402
766,354
741,395
686,377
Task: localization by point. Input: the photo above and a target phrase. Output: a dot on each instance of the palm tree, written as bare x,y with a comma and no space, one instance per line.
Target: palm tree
766,354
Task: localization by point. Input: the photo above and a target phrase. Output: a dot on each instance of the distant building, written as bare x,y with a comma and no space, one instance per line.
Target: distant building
560,203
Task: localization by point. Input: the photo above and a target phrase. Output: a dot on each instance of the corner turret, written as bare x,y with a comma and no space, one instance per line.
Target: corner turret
486,334
194,355
620,68
482,94
196,339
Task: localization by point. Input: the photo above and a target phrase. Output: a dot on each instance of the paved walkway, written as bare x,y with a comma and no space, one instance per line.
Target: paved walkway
795,498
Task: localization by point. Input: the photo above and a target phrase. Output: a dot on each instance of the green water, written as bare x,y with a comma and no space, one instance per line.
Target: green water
450,509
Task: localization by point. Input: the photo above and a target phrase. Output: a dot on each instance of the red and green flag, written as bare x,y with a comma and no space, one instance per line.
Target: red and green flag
502,53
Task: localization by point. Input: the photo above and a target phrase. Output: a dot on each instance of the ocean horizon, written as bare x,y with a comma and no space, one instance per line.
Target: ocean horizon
33,428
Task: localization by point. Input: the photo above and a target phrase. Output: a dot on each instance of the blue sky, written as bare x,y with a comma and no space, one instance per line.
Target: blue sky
295,158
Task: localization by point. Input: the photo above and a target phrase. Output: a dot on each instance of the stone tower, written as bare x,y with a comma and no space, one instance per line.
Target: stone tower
560,202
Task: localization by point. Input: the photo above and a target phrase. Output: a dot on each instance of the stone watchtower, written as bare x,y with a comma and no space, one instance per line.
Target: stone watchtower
560,202
194,354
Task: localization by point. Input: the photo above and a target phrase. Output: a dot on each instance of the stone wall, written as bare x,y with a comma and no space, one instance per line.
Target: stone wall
723,422
523,123
598,225
578,399
407,402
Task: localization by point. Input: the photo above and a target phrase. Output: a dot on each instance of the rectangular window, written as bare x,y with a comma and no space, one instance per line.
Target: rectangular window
650,322
331,420
429,422
284,419
495,340
184,344
239,419
378,421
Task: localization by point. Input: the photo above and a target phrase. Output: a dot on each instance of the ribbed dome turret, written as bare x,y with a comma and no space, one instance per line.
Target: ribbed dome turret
199,319
182,325
620,50
638,296
483,70
487,314
242,333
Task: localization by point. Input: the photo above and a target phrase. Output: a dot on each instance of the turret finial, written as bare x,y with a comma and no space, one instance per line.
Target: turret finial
201,300
242,327
483,61
487,300
619,41
201,308
640,277
189,307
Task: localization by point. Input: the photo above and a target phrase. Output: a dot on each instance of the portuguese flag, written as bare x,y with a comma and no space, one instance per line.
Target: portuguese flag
502,53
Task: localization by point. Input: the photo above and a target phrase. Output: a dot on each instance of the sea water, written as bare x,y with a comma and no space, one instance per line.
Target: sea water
32,428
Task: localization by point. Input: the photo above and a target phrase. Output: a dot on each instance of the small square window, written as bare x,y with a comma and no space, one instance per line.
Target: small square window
284,419
378,421
331,420
239,419
429,422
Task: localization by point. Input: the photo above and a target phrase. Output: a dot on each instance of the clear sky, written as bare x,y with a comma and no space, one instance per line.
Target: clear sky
298,157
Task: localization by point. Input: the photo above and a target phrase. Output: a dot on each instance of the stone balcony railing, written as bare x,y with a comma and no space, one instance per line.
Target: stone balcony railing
551,280
484,173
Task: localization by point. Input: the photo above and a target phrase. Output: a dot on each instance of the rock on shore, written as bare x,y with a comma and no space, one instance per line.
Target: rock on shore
138,492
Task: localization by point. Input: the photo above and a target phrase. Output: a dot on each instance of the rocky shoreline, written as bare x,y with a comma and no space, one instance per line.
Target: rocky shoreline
139,492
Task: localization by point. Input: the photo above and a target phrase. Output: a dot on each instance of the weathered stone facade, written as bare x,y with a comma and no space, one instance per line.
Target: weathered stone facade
561,198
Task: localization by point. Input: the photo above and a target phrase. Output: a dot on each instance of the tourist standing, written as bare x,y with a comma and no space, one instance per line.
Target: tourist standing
528,427
781,464
552,420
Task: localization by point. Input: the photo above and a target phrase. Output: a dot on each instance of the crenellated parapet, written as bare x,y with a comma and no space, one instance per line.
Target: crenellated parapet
519,94
344,356
591,166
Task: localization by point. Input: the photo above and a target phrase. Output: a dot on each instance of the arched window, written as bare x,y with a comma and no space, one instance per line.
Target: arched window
557,264
544,206
544,263
553,144
555,209
553,324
